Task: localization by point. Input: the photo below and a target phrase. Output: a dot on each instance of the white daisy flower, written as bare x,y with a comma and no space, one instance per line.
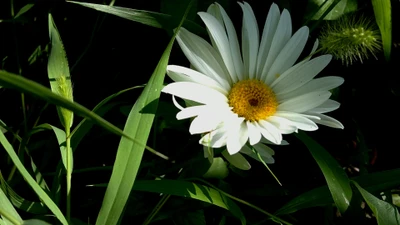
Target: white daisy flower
255,93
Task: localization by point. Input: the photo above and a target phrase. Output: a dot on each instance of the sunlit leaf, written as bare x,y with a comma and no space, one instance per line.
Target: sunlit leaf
129,154
32,183
383,17
7,208
385,213
330,9
374,182
189,190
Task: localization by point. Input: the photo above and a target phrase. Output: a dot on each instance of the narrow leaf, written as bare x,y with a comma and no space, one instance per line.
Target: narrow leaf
374,182
331,9
58,72
24,85
7,208
38,190
383,17
153,19
336,178
385,213
129,154
189,190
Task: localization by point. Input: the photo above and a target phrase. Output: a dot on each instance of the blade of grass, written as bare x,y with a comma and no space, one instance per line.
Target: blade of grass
9,80
385,213
336,178
38,190
7,210
153,19
383,17
129,154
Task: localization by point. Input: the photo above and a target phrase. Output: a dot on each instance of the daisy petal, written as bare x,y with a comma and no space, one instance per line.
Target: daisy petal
327,121
237,137
190,112
289,54
254,133
269,30
217,33
284,125
298,120
203,57
270,132
237,160
250,40
281,37
214,139
233,42
288,82
180,73
325,107
195,92
319,84
304,102
204,123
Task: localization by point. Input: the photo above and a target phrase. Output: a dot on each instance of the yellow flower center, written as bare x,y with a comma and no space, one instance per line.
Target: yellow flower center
253,100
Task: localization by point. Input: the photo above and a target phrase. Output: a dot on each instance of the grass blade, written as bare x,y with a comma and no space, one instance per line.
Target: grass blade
385,213
38,190
24,85
129,154
383,17
336,178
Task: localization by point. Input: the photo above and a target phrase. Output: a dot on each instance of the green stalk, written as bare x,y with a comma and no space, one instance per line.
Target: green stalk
69,170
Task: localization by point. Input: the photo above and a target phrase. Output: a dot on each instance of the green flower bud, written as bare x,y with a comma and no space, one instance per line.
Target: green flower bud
350,39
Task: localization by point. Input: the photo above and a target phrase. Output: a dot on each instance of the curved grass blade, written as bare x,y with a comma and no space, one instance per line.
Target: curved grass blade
153,19
38,190
19,202
188,190
383,17
129,154
24,85
385,213
7,210
336,178
374,182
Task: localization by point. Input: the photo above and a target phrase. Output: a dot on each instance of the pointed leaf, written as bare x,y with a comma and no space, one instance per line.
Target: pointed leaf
129,154
383,17
336,178
385,213
37,189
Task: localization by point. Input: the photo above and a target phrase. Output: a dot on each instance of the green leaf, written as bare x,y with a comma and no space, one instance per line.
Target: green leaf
24,9
189,190
35,222
217,170
385,213
19,202
24,85
38,190
331,9
383,17
7,210
153,19
58,72
129,154
336,178
61,137
320,196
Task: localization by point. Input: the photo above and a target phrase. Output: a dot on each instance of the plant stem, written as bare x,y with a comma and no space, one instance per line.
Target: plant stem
69,170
